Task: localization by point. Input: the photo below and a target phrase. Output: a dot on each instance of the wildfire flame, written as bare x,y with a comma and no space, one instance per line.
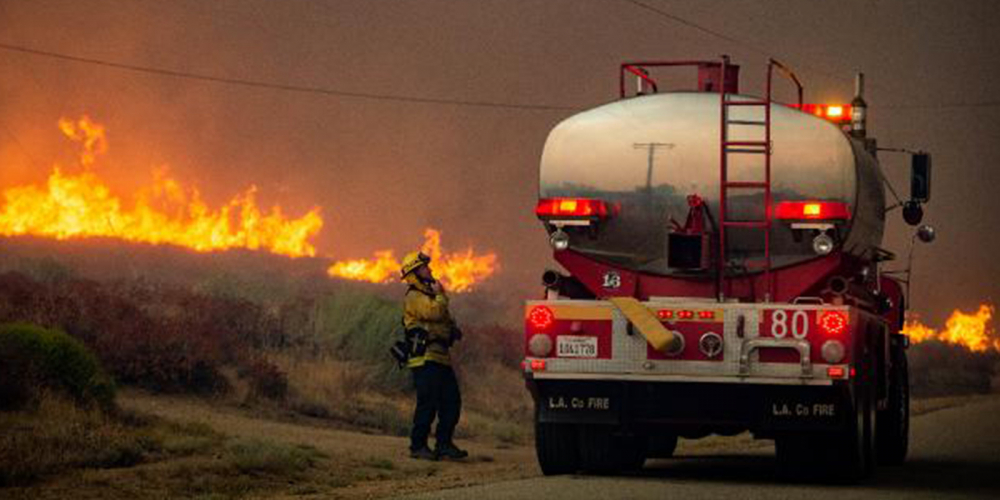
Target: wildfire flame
457,271
79,205
974,331
82,205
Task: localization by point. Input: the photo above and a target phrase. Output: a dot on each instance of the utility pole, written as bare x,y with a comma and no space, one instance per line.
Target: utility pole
651,146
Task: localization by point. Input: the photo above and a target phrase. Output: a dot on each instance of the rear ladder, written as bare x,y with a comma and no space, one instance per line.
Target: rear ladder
755,147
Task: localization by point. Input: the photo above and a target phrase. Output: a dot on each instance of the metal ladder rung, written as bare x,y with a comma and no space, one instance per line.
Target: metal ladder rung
747,184
746,150
746,103
747,223
745,143
746,122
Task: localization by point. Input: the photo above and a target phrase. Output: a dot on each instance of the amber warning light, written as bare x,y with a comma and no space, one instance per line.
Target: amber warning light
837,113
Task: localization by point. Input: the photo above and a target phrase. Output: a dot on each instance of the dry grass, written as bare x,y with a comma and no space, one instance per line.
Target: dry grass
57,436
495,403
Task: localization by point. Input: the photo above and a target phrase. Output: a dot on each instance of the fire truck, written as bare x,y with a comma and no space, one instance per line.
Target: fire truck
722,273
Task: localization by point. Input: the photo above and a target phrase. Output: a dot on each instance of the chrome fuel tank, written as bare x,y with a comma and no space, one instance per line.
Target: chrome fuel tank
645,155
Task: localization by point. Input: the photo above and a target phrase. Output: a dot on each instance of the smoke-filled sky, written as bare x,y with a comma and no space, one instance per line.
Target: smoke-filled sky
383,170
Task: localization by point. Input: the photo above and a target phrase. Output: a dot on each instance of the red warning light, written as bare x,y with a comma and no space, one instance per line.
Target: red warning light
541,317
811,210
571,207
833,322
685,314
706,314
665,314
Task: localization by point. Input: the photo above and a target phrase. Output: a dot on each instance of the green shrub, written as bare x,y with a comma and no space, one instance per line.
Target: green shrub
34,359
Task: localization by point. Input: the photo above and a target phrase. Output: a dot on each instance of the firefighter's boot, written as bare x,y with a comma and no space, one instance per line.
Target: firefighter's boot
423,453
450,451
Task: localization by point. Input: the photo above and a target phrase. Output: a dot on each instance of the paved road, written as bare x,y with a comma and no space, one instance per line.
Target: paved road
955,453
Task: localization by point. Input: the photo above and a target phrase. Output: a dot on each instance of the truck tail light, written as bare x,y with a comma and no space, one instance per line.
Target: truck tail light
812,210
836,372
833,323
548,208
541,317
535,365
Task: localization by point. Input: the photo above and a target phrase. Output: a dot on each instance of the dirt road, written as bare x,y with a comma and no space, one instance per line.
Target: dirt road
399,474
955,454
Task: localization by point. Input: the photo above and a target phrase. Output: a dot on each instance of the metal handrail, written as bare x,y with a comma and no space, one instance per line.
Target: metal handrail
635,68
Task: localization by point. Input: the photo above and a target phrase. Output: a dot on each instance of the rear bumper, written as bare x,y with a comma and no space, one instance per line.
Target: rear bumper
695,407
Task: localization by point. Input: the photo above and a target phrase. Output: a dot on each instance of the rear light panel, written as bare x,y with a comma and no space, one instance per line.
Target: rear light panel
589,208
812,210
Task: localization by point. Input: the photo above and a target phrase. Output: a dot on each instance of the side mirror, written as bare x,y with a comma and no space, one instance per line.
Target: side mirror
920,178
913,213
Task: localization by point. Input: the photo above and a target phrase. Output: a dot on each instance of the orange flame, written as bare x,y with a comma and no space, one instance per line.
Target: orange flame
82,205
973,331
457,271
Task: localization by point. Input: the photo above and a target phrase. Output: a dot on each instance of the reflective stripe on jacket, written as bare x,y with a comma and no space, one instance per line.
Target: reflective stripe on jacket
423,309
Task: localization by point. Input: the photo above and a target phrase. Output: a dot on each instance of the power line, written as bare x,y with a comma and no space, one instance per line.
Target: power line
758,49
401,98
280,86
942,105
690,24
720,35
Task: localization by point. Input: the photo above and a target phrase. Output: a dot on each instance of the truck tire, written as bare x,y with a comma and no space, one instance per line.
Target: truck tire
556,448
893,434
846,455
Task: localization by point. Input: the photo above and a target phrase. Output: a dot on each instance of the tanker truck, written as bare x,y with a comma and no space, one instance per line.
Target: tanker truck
722,274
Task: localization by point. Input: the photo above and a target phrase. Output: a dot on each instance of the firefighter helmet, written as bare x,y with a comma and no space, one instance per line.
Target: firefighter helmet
412,261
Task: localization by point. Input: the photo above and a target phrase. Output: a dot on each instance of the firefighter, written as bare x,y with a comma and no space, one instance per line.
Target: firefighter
429,326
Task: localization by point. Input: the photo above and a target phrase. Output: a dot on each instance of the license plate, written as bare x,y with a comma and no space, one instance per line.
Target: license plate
576,347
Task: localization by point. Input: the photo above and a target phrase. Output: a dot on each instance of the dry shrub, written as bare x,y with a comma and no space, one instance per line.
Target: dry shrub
161,338
938,369
266,380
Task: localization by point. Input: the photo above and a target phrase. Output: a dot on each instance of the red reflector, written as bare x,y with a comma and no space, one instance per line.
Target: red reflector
538,365
812,210
685,314
571,207
836,372
541,317
833,322
665,314
706,314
